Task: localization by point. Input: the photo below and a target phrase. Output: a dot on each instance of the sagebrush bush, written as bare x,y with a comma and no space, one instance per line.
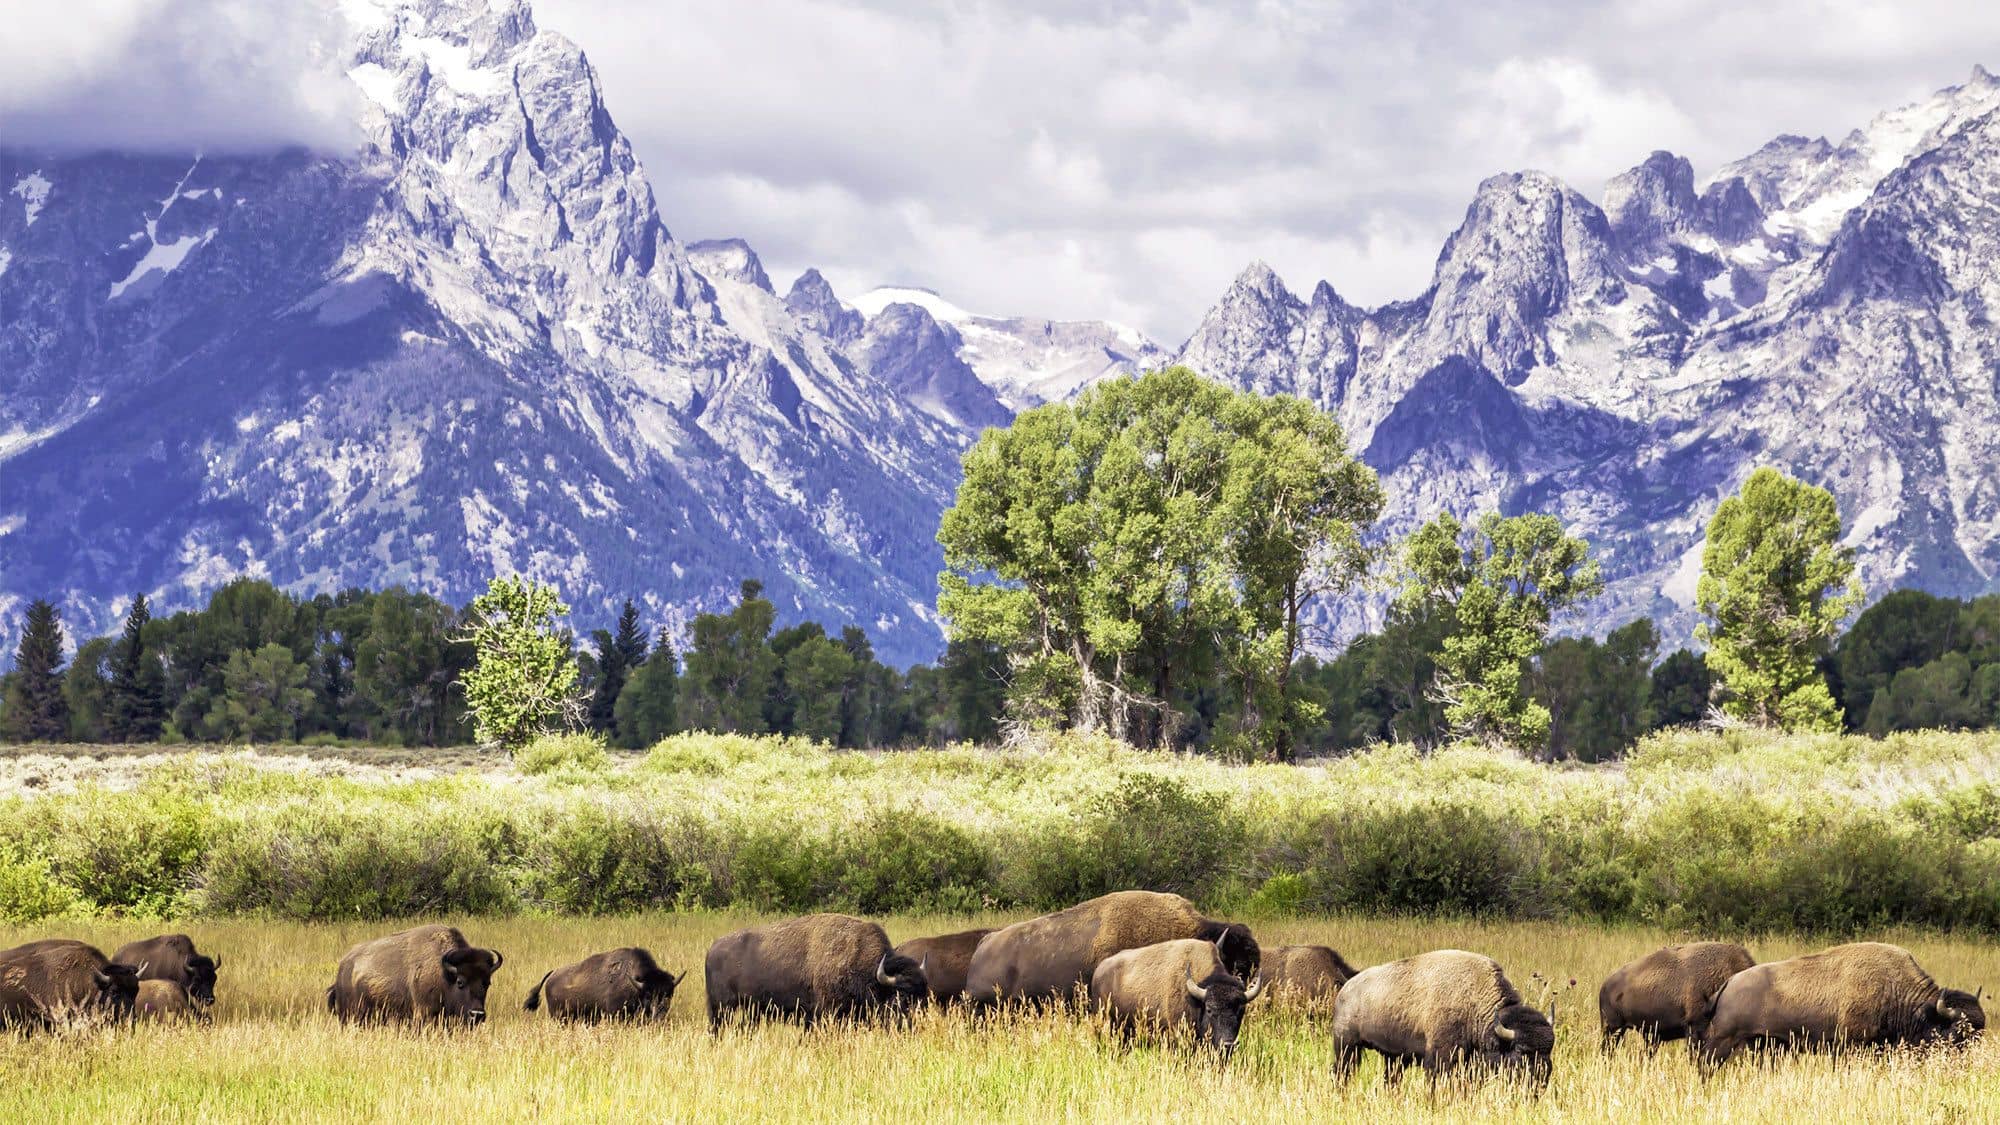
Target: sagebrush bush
552,753
1730,833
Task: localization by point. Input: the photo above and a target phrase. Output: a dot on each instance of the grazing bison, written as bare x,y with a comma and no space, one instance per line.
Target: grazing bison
821,966
1439,1010
1862,994
167,1001
1051,957
1669,993
45,983
1177,987
945,960
1305,974
429,973
619,984
173,957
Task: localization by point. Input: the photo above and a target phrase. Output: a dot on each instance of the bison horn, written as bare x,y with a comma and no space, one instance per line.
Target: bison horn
1193,989
1256,987
141,970
497,960
881,976
1504,1033
924,966
1946,1011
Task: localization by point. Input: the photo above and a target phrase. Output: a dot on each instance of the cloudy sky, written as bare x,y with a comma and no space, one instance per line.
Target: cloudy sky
1116,158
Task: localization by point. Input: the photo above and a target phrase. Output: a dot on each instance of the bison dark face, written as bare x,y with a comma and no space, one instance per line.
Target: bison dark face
1217,1005
117,989
468,973
199,978
1523,1040
1234,944
656,992
901,982
1956,1017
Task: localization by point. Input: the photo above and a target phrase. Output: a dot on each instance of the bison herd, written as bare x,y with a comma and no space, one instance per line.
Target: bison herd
1146,961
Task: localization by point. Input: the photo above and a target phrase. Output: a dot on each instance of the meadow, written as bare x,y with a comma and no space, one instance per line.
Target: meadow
275,1054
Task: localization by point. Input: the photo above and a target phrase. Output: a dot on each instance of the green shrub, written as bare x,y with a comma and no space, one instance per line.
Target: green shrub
1148,833
603,860
553,753
1428,858
28,892
903,861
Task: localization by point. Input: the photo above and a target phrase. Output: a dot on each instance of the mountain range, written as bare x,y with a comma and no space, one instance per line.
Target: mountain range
473,345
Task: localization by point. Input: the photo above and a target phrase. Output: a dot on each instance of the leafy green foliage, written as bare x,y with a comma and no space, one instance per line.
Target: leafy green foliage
731,667
1499,583
1599,696
523,679
1775,586
648,707
557,753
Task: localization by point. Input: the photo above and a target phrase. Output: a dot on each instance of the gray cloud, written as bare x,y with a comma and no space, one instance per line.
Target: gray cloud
1127,159
175,75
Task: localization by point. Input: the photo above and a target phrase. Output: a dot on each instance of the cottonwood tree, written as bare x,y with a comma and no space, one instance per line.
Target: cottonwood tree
1775,586
523,679
1500,583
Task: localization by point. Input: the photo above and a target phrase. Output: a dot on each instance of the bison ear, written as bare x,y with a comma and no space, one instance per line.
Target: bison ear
452,974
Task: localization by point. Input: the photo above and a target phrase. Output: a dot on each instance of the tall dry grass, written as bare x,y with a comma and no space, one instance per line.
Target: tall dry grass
274,1054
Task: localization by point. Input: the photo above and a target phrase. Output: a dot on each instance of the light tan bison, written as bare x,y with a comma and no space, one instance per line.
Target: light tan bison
1052,957
821,966
1177,988
1863,994
619,984
1669,993
173,957
1307,975
167,1002
1440,1010
427,974
945,960
48,983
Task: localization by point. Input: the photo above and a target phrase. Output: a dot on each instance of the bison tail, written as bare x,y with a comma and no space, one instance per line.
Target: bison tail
534,1002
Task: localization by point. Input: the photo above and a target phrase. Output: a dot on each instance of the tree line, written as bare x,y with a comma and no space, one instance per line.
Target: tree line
1142,561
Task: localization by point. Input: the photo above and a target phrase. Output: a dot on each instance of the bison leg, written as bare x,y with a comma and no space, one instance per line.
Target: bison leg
1612,1034
1393,1067
1346,1056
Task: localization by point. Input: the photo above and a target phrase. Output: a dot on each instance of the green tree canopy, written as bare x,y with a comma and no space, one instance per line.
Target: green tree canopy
726,683
523,679
1500,583
1775,586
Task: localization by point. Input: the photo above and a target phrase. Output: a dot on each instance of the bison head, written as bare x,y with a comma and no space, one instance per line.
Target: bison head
1955,1016
1522,1040
656,990
1234,944
901,982
468,973
117,988
199,978
1216,1006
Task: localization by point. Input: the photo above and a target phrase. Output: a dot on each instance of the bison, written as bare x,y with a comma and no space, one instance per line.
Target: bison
1051,957
173,957
45,983
821,966
619,984
1177,987
1863,994
945,959
1307,974
430,973
1440,1010
167,1001
1669,993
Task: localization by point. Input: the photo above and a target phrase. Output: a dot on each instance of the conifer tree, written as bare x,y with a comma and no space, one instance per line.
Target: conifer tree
138,686
35,710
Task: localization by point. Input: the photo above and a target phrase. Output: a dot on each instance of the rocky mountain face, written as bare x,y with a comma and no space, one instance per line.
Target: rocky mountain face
471,347
1820,307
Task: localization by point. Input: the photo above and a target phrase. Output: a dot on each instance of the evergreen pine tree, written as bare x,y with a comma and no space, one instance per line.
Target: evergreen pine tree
617,656
35,708
138,687
648,708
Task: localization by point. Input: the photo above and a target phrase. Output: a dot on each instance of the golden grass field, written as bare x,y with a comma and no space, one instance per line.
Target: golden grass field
275,1054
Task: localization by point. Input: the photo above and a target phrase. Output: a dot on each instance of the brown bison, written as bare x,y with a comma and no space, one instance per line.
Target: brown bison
165,1000
428,973
1866,993
945,959
1053,956
1177,987
619,984
1669,993
821,966
45,983
1439,1010
1305,974
173,957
